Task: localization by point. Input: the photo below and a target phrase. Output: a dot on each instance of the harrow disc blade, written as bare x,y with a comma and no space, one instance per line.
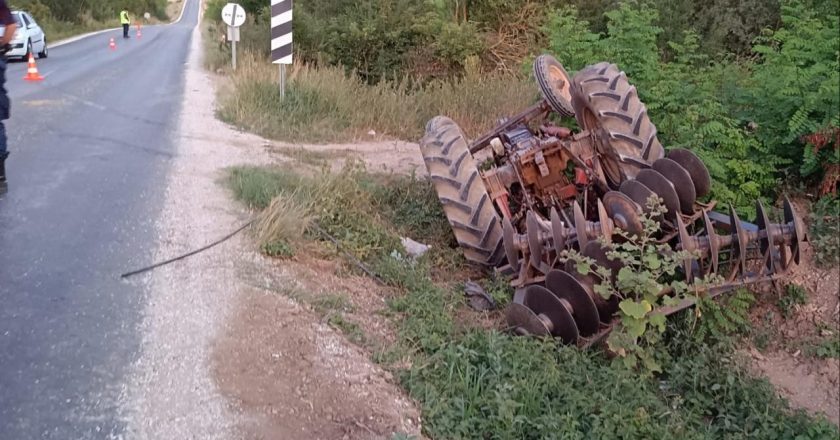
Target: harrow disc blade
689,245
739,252
683,185
535,248
524,321
604,222
598,253
793,219
623,211
566,287
558,231
695,167
580,225
662,187
714,242
512,253
543,303
637,192
768,242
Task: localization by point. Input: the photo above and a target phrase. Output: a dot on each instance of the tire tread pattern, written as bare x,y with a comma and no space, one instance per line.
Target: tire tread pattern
465,200
604,91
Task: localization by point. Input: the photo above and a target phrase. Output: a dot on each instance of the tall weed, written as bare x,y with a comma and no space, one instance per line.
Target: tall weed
328,105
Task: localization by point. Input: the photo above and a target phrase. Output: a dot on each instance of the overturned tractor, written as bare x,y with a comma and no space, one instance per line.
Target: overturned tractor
522,194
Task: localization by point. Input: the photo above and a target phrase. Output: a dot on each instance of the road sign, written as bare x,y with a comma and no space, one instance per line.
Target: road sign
281,31
233,15
233,34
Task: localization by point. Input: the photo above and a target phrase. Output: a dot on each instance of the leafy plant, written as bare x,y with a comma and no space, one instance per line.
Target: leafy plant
279,249
828,347
794,295
644,286
720,319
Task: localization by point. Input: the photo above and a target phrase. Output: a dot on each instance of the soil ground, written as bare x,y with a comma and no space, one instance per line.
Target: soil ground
807,381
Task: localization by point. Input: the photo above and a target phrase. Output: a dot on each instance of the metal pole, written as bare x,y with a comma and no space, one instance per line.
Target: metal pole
233,42
282,81
233,34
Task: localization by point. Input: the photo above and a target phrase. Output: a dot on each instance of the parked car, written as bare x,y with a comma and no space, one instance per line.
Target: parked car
29,37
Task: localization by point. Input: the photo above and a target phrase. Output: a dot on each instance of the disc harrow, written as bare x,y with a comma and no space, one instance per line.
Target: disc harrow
748,252
548,190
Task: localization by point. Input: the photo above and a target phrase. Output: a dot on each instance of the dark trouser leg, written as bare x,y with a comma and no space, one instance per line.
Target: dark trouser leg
3,153
4,114
125,31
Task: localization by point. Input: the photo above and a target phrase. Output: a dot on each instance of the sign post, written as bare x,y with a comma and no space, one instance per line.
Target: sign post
281,38
234,16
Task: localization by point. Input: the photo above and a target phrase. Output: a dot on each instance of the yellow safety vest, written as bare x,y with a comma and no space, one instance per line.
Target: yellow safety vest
124,17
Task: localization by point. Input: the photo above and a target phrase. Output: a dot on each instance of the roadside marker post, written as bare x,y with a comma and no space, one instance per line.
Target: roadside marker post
234,16
281,38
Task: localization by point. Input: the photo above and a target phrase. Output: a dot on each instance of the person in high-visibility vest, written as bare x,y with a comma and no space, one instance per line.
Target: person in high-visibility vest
125,22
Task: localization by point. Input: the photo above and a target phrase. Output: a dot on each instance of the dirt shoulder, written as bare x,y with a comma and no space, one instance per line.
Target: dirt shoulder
221,337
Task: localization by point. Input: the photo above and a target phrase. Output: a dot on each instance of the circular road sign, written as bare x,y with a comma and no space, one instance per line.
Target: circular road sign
233,15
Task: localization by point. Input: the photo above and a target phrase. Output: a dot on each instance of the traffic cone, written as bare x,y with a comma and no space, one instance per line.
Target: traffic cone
112,44
32,74
139,32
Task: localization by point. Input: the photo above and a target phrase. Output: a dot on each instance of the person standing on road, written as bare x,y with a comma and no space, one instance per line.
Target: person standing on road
9,27
125,21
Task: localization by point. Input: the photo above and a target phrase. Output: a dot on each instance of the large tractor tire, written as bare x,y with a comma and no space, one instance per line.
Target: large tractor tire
461,190
606,104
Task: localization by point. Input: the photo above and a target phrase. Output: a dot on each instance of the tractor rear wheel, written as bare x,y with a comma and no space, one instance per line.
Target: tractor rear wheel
606,104
460,188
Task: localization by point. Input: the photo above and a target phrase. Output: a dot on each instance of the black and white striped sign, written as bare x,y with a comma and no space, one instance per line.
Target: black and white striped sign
281,31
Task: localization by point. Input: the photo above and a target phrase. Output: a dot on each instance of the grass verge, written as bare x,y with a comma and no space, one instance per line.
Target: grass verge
474,383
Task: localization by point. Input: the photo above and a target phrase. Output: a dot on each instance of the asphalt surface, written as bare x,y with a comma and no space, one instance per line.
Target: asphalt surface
91,147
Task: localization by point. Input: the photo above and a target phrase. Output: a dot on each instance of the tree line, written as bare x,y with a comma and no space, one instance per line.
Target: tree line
76,11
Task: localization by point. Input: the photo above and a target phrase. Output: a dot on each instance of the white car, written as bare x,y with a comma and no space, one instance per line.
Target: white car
29,37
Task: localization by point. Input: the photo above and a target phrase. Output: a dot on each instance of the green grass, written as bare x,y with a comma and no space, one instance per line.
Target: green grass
827,348
331,303
329,105
350,329
473,383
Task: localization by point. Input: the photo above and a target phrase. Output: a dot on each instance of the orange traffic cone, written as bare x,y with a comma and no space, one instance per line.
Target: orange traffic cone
139,32
32,74
112,44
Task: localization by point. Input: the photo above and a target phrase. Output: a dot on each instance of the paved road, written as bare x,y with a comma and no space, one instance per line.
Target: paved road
91,147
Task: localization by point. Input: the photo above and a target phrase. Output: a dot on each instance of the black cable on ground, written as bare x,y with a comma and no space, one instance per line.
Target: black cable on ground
189,254
353,259
314,226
